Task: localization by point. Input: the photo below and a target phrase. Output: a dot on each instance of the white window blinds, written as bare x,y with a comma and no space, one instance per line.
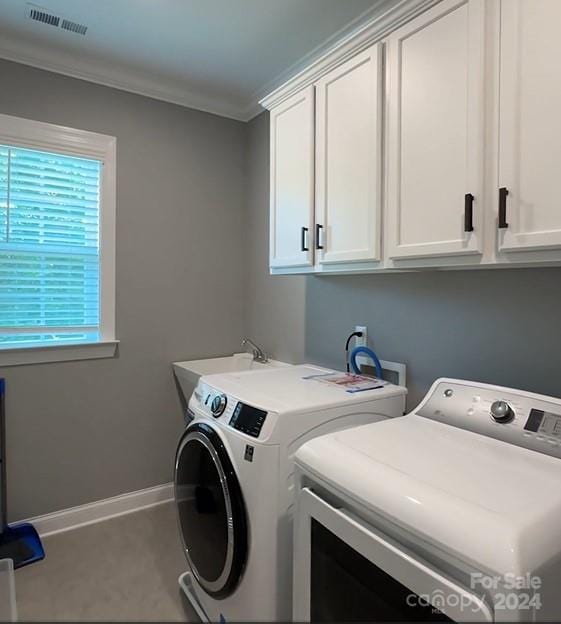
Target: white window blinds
49,247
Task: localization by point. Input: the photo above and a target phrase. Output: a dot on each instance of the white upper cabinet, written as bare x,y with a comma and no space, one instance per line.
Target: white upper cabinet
292,181
348,159
436,143
435,133
529,204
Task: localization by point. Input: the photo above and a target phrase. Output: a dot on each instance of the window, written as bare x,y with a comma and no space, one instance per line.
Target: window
57,205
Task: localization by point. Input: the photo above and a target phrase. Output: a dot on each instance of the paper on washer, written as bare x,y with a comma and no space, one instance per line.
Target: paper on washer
349,382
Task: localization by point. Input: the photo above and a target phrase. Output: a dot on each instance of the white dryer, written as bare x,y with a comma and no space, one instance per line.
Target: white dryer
234,481
452,512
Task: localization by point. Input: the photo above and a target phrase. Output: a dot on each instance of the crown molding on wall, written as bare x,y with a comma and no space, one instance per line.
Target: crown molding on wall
366,29
12,49
389,19
319,51
35,56
252,111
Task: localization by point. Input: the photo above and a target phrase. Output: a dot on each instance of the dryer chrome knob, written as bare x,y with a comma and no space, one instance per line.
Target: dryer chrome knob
218,405
501,412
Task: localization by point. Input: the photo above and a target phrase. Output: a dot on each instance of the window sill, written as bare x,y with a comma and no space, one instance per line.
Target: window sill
16,356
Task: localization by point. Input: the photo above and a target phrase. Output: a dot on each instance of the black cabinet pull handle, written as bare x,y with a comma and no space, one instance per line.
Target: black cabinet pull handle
503,192
303,239
468,213
319,228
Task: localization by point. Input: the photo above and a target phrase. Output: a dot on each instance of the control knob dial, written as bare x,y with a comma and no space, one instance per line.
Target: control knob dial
218,405
501,412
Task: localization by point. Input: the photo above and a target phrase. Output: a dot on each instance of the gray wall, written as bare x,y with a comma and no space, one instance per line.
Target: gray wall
274,312
192,278
497,326
83,431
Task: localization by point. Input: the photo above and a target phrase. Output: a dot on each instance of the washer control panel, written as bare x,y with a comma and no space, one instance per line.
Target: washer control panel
529,420
218,405
248,419
229,410
212,403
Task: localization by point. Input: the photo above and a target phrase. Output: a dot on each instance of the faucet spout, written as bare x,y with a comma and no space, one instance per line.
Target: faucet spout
258,354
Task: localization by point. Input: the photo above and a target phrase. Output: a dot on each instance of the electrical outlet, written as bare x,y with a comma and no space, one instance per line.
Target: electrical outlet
363,340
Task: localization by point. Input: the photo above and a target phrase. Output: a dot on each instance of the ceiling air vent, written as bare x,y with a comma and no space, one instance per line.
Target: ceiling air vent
45,18
74,27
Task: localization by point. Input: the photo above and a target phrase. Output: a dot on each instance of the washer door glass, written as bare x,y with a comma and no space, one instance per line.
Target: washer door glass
211,511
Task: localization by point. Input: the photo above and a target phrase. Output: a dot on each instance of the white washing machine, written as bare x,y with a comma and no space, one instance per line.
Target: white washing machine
450,513
234,481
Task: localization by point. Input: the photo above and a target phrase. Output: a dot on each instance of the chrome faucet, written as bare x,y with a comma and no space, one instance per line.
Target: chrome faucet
258,354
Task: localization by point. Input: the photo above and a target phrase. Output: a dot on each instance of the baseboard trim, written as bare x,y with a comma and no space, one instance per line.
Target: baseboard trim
90,513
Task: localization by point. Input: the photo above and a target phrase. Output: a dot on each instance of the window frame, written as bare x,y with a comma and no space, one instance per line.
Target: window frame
26,133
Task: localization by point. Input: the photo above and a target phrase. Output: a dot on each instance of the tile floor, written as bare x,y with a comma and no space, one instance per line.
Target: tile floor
124,569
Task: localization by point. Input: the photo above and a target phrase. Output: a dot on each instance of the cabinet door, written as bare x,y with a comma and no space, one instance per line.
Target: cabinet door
530,125
292,181
348,175
435,142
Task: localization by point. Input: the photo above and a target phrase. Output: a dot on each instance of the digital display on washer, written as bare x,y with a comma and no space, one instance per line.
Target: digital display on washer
547,423
248,419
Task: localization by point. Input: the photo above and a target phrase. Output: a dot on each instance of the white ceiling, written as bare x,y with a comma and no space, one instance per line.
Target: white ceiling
216,55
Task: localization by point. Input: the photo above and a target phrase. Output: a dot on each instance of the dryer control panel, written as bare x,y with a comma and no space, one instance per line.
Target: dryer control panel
545,423
529,420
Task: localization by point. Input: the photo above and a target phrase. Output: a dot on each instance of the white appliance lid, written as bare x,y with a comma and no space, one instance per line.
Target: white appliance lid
287,390
487,502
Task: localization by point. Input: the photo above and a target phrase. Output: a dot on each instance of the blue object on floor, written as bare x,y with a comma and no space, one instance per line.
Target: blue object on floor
19,542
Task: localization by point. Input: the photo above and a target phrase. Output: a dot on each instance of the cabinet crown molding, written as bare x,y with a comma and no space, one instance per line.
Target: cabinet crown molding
391,17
